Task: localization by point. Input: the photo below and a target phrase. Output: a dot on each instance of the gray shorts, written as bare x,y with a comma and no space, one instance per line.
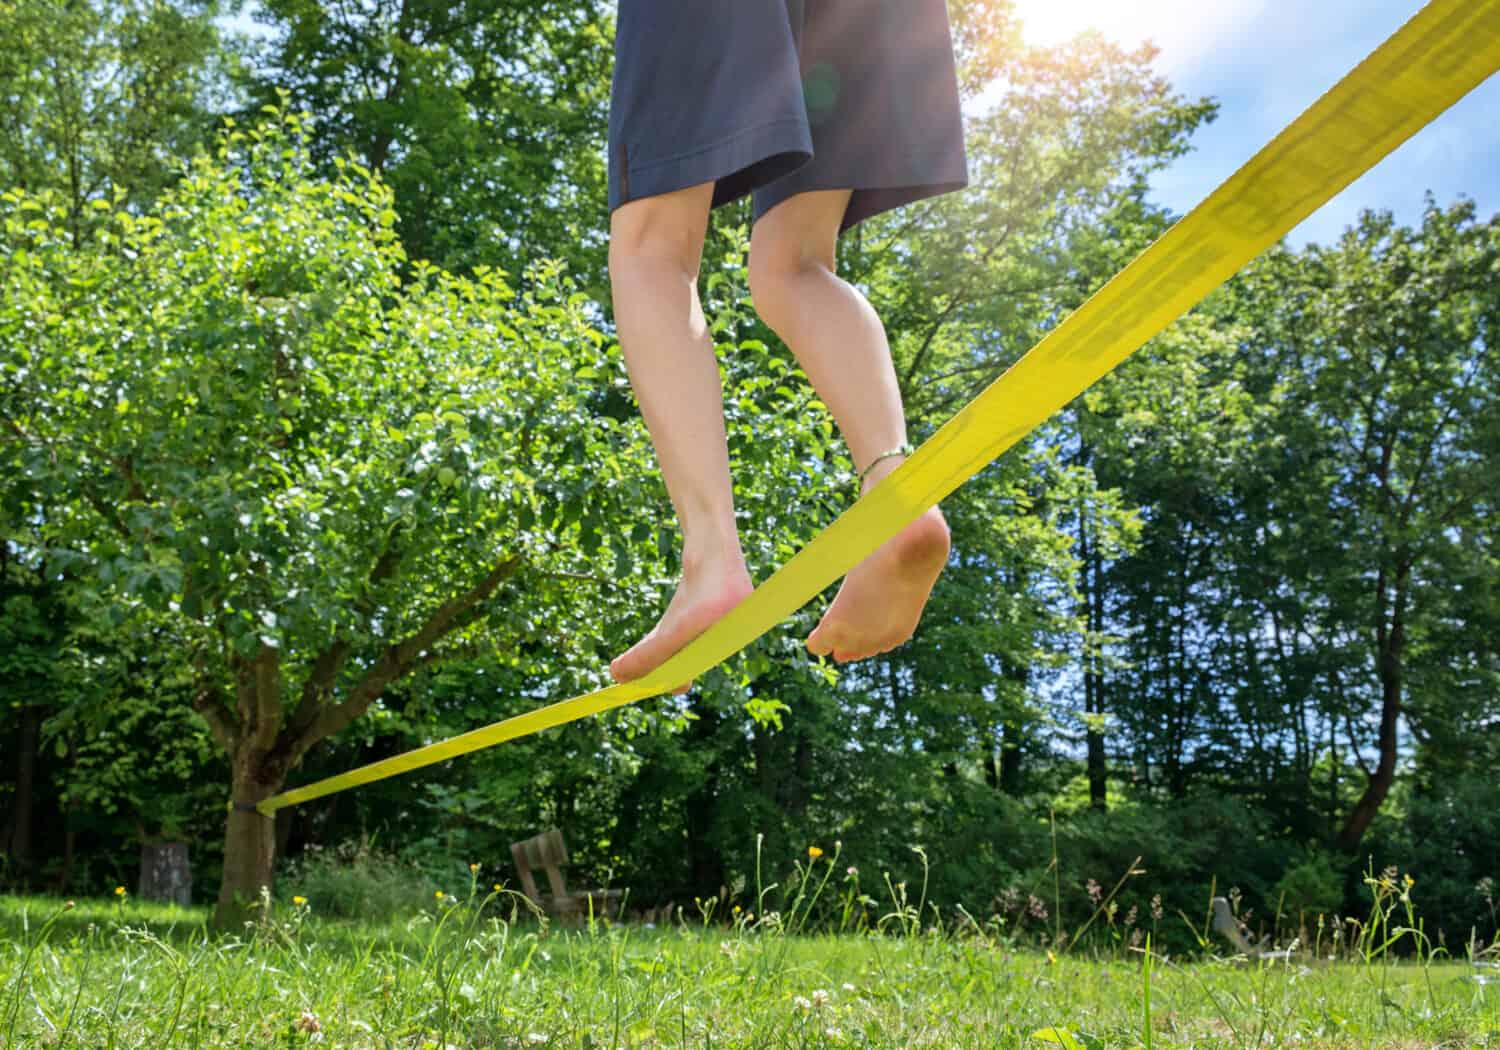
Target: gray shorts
778,97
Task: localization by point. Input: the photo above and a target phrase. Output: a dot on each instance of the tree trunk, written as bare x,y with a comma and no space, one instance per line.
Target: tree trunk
1007,764
1333,769
249,850
1093,680
1390,650
802,766
1010,762
266,737
1381,778
70,852
18,842
1098,780
705,864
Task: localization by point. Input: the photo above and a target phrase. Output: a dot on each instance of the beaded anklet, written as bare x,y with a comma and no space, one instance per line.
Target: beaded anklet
904,450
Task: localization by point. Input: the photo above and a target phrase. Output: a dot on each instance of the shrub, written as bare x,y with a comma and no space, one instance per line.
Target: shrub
1449,840
355,880
1311,886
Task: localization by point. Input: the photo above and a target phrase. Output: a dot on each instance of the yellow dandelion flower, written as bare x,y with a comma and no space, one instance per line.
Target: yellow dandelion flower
473,867
497,887
438,895
299,901
119,891
814,852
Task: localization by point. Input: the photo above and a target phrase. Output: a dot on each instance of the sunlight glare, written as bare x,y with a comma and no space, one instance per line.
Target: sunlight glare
1183,29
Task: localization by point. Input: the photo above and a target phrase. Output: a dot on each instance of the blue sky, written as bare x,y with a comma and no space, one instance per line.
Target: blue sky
1267,60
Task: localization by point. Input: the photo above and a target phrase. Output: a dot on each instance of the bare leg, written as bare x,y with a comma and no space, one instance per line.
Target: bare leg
655,247
841,345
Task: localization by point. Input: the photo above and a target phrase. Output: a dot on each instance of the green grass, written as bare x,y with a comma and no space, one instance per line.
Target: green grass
462,974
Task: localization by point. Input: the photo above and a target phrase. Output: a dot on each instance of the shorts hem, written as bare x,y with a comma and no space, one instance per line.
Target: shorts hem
727,143
867,200
738,163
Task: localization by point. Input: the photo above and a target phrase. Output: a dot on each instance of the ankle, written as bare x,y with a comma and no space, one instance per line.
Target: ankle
879,471
711,555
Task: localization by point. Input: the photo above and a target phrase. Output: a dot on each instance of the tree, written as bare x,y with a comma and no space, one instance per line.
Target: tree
1389,334
103,98
322,478
486,118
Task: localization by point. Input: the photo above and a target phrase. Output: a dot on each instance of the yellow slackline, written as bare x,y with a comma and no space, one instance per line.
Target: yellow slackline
1449,48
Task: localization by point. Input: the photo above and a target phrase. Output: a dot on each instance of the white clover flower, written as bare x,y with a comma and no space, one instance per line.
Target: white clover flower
535,1038
802,1003
819,997
849,987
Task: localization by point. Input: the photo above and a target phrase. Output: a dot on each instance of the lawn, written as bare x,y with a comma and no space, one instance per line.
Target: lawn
464,973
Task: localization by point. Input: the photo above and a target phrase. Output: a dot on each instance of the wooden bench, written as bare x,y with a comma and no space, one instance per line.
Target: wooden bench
548,853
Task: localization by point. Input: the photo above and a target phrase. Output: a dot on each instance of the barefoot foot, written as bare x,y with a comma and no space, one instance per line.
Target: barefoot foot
705,595
881,600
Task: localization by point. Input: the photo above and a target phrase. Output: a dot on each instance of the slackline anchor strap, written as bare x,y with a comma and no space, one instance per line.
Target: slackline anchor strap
247,807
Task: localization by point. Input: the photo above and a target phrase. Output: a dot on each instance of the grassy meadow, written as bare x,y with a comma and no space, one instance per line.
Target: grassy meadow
475,972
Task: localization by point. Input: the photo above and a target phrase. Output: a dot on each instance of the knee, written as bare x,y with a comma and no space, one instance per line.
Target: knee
648,260
644,243
776,280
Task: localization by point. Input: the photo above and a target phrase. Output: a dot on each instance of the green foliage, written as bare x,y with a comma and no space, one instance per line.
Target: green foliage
316,474
260,409
356,880
104,99
1311,886
1313,453
1448,838
137,754
486,118
1186,849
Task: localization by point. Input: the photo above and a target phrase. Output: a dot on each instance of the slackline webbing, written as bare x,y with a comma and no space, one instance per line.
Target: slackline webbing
1448,48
